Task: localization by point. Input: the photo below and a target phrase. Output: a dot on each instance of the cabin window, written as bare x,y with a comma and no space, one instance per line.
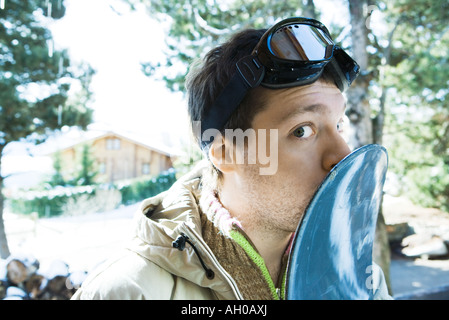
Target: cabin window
146,168
113,144
102,168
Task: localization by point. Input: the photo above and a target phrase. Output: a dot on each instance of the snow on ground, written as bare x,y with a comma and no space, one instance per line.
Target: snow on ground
81,241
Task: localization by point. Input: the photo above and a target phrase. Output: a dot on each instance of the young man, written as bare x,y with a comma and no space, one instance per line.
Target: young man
267,109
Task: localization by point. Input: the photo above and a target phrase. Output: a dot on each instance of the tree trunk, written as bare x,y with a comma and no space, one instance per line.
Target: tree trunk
359,113
4,248
358,103
309,10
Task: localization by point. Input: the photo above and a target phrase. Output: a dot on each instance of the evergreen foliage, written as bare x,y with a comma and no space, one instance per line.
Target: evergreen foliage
56,200
35,79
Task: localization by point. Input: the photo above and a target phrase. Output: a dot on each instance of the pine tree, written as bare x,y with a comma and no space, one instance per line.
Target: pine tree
34,80
86,168
57,178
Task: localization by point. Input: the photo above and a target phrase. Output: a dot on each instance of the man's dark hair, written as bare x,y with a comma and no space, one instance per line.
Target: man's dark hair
206,81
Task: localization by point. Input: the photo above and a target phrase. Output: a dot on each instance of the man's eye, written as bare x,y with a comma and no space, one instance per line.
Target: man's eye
303,132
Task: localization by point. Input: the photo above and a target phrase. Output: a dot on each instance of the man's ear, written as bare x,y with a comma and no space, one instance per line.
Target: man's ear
220,155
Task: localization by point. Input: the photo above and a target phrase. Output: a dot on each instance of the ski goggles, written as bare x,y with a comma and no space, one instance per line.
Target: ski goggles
294,52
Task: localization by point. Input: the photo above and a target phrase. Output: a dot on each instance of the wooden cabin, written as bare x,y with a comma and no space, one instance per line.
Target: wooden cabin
117,157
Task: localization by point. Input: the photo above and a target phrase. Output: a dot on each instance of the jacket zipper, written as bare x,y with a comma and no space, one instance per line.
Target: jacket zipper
180,244
199,242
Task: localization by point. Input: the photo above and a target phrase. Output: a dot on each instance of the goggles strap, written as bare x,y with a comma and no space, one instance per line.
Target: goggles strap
343,69
250,73
337,75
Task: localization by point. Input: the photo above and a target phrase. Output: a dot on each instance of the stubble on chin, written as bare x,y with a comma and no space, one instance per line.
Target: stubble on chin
275,206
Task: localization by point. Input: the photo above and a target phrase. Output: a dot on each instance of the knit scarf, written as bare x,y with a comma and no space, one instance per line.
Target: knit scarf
234,251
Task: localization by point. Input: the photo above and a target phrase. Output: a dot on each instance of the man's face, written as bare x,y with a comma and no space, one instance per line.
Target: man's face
308,120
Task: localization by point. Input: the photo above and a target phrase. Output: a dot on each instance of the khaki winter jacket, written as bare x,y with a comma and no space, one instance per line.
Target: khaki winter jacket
151,268
210,266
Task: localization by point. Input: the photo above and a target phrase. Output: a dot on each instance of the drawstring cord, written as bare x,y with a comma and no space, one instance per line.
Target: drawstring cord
180,244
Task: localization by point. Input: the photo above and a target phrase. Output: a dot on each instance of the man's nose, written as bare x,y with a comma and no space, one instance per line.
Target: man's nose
336,149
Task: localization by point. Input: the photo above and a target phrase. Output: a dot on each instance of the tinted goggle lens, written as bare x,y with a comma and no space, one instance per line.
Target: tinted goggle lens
300,42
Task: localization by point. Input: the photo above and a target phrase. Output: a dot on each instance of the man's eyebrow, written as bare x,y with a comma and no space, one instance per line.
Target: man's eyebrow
318,108
313,108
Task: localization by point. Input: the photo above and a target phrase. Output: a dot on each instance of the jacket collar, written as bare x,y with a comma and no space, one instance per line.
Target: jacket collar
162,219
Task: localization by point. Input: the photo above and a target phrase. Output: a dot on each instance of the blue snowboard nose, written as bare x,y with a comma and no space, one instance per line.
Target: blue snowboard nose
331,255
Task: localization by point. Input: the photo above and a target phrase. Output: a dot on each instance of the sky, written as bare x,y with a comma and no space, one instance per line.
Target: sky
114,41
